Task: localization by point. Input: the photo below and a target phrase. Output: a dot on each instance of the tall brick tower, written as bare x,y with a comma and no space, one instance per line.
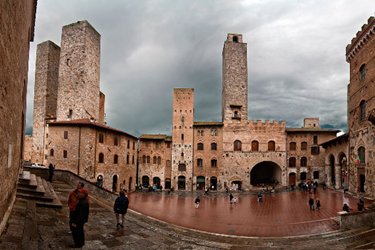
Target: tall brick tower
45,94
361,109
182,138
234,94
79,74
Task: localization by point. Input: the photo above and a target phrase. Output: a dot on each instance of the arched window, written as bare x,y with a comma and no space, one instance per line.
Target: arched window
200,146
362,72
200,162
303,162
254,146
271,146
144,159
362,107
127,159
101,138
159,160
148,159
101,158
213,163
213,146
52,152
292,162
133,159
361,155
303,145
292,146
237,145
154,160
115,159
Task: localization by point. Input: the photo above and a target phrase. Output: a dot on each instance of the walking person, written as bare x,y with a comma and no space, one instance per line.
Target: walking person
230,198
51,169
260,197
197,202
78,219
120,208
311,203
317,203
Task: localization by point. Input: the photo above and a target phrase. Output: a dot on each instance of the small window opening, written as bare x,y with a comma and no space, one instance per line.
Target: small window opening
235,39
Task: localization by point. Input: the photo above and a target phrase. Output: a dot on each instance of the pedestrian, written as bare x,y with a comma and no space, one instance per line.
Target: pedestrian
120,208
317,204
311,203
78,219
260,197
230,198
361,204
346,208
197,202
51,169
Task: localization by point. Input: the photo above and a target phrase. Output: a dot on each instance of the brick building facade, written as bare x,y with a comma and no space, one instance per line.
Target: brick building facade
17,31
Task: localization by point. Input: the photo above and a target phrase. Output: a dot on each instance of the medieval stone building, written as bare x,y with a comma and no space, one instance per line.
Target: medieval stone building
69,129
16,32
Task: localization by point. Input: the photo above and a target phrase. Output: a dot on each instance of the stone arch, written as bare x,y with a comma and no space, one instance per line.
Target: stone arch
145,181
265,172
181,182
114,183
201,182
99,180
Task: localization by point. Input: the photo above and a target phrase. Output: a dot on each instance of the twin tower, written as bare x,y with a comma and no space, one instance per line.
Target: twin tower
67,81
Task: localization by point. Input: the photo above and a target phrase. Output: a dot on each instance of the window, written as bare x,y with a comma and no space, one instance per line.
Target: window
132,159
213,146
292,162
181,167
144,159
101,138
362,107
236,115
292,146
361,155
154,160
159,160
182,137
235,39
303,162
362,72
213,132
315,150
213,163
148,159
200,132
237,145
200,162
101,158
303,145
115,159
115,140
65,134
316,174
51,152
70,114
127,159
128,144
254,146
271,146
315,139
168,145
200,146
65,154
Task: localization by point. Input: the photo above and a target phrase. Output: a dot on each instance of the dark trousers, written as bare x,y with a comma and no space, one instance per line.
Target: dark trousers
78,235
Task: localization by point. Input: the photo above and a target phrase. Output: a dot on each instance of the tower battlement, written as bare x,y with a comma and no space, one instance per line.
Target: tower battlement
264,125
362,37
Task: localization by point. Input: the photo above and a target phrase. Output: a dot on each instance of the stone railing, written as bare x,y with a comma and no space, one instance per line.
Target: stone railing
357,219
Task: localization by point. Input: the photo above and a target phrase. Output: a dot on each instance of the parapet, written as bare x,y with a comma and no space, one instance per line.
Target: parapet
362,37
259,124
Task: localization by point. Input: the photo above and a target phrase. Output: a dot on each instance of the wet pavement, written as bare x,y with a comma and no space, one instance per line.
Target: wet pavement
33,227
280,214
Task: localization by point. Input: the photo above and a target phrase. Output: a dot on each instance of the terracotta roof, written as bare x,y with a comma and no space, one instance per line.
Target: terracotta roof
154,137
317,130
87,122
208,124
339,139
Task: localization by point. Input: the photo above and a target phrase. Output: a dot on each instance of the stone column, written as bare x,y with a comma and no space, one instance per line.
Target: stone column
338,175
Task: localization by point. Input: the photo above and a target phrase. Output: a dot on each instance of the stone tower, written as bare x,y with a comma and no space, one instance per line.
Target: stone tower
45,94
79,72
182,138
360,54
234,95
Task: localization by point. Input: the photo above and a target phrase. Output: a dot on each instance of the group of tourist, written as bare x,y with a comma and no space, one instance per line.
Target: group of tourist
314,204
79,206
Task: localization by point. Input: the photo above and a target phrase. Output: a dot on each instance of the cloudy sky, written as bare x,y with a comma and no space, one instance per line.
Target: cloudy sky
296,56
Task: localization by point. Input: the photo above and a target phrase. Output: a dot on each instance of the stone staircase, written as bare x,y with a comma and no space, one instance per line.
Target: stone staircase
32,187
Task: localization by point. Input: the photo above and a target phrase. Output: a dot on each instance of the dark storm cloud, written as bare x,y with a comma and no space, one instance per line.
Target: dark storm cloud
296,56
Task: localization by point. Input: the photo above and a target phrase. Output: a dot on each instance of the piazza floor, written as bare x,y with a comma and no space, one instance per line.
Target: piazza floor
280,214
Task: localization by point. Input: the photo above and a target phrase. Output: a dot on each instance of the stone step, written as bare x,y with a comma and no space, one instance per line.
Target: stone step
39,190
28,180
34,197
50,192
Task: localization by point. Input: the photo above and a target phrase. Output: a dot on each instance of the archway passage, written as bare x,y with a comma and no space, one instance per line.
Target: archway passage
266,172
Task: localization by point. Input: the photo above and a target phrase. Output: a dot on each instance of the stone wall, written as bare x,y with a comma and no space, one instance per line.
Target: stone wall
27,147
360,55
17,30
357,219
79,72
45,94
